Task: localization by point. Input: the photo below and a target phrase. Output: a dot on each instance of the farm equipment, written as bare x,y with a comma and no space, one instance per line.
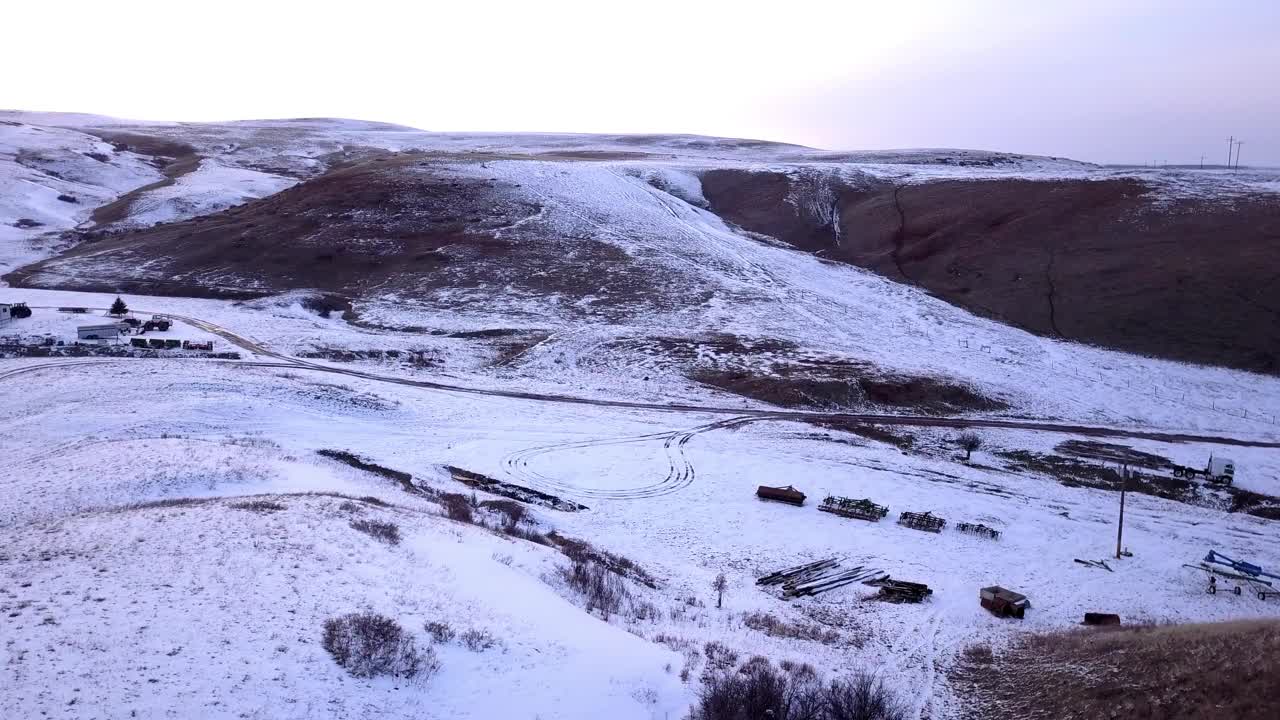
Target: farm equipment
977,529
786,494
172,344
1092,618
138,342
156,343
1261,581
900,591
922,521
858,509
207,346
157,322
1219,470
1004,603
19,310
1100,564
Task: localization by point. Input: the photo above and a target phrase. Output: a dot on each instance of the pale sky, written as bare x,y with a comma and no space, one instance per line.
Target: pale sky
1132,81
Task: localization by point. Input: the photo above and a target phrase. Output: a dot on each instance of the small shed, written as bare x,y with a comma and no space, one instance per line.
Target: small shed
1003,602
99,333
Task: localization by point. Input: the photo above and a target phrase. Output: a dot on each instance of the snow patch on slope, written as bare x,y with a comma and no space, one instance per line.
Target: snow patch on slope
213,187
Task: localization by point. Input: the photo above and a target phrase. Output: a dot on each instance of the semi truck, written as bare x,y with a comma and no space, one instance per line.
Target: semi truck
1219,470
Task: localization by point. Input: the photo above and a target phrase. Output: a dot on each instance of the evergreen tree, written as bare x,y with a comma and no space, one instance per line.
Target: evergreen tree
118,307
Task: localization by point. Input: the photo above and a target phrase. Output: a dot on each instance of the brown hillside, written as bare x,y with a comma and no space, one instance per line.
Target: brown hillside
1219,671
1100,261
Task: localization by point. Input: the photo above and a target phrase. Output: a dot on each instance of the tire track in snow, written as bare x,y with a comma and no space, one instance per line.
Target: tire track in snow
680,471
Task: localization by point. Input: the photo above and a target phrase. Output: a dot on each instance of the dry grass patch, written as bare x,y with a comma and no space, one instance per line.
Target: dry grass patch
1174,672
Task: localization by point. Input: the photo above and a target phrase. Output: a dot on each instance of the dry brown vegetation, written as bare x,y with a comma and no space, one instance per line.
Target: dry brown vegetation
1172,672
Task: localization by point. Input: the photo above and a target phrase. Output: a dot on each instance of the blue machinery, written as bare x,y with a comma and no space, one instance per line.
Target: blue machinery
1258,579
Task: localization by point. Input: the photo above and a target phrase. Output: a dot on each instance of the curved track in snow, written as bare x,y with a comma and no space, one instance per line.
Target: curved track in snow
680,472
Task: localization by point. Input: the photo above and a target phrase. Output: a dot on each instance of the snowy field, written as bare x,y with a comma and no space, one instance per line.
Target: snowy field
202,605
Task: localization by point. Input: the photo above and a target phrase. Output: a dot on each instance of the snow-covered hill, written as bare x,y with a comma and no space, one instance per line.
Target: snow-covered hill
570,315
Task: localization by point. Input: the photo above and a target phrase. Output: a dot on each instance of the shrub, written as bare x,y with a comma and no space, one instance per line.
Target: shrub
583,551
457,507
760,691
512,512
795,668
861,697
533,536
259,506
477,640
772,625
969,441
719,656
374,501
386,532
602,589
440,632
368,645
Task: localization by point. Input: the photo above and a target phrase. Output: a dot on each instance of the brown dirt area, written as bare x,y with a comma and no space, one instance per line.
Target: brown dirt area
1219,671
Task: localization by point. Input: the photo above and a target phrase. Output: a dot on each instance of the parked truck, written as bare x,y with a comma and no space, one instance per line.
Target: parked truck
1219,470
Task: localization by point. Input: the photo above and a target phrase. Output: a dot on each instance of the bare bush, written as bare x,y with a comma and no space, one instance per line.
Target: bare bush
719,656
374,501
502,559
511,512
457,507
969,441
368,645
386,532
797,668
583,551
675,642
772,625
861,697
440,632
524,533
758,690
601,589
262,506
477,640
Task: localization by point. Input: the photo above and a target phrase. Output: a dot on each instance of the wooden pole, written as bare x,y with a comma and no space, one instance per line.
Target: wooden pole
1124,485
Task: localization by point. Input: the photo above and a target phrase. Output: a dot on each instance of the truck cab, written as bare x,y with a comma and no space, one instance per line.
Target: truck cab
1221,470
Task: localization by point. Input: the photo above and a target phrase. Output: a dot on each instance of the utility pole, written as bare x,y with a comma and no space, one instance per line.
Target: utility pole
1201,162
1124,485
1238,144
1231,141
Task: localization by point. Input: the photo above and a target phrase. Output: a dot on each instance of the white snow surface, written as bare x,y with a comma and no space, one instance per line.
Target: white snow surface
212,187
216,611
37,165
